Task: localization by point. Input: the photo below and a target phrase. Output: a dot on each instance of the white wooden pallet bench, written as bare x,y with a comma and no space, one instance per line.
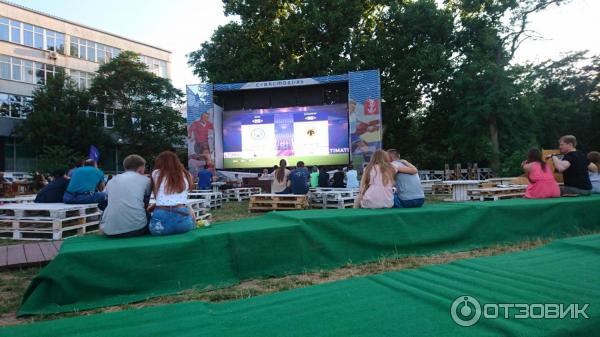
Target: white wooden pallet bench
241,193
277,202
21,199
31,221
497,193
332,198
215,199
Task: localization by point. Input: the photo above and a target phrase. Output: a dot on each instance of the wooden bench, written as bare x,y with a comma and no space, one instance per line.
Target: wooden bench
497,193
241,193
31,221
277,202
332,198
214,199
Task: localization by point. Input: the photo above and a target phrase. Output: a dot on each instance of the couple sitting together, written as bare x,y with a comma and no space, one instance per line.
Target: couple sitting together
384,172
129,212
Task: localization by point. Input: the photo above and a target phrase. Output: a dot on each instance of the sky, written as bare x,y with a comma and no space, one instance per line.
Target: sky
182,25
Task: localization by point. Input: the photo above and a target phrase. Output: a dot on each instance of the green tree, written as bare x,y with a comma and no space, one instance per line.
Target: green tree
144,115
57,157
58,120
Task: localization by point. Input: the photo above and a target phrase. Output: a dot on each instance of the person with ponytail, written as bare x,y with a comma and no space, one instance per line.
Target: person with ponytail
541,179
171,183
280,178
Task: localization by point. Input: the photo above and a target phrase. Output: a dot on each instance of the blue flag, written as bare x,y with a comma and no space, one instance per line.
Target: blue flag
94,153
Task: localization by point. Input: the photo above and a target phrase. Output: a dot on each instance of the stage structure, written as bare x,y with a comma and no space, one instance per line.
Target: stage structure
329,120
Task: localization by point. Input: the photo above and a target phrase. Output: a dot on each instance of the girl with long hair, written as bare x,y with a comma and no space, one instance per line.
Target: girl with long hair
541,179
171,183
280,178
376,186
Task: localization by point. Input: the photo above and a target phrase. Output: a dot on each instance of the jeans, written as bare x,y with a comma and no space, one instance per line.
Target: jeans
99,198
172,221
407,203
573,191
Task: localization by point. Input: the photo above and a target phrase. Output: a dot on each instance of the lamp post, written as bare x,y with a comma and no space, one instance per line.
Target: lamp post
119,141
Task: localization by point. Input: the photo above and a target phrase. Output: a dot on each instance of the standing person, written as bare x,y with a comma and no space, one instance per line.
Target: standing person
593,170
574,167
323,178
128,196
83,185
280,177
205,178
171,183
314,177
541,179
351,177
55,190
298,179
377,182
409,191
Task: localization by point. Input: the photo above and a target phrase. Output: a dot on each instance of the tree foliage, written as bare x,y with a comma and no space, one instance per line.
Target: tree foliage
145,119
451,88
58,119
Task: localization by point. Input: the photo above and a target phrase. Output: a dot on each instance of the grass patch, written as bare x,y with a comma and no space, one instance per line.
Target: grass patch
257,287
232,211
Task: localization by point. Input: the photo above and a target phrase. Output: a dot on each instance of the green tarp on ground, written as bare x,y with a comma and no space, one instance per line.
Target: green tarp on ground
94,271
405,303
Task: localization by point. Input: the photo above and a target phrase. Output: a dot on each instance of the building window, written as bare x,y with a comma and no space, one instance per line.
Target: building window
4,105
38,38
5,67
31,36
16,69
27,71
155,66
82,79
4,29
92,51
15,31
15,106
28,35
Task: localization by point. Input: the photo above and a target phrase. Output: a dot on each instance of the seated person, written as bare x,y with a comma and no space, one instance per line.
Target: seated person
55,190
338,179
323,178
541,179
409,191
351,177
376,185
265,174
83,184
237,181
314,177
298,179
171,183
128,196
593,168
574,167
280,178
205,178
